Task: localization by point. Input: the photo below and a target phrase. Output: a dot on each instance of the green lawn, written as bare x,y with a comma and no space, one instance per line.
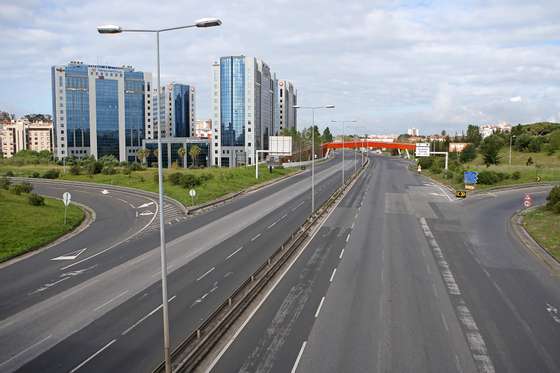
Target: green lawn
24,227
544,227
547,167
222,180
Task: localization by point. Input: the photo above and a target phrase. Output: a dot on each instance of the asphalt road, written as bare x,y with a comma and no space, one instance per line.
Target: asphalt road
404,278
112,307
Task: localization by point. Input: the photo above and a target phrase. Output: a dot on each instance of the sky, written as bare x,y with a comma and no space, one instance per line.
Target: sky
390,65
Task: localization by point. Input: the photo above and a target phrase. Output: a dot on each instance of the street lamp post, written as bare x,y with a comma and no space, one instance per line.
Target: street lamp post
343,133
313,108
510,142
112,29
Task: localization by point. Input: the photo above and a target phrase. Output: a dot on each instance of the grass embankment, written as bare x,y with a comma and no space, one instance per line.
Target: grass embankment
24,227
547,167
221,181
544,226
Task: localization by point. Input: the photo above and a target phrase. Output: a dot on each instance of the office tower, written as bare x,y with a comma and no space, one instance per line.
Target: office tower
100,110
243,104
287,99
178,111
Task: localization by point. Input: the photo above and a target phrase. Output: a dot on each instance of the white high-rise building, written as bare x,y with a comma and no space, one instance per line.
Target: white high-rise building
413,132
178,111
244,106
287,98
100,110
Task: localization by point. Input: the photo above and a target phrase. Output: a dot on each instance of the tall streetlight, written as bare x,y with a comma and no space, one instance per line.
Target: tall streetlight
343,134
112,29
313,108
511,137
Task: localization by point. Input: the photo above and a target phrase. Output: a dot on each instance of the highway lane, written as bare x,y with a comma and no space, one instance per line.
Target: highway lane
100,294
422,283
119,216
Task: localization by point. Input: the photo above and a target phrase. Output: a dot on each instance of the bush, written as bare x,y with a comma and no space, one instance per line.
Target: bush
51,174
553,198
108,170
488,177
448,175
425,162
94,167
35,200
35,174
206,177
436,169
5,182
26,187
10,173
190,181
75,169
556,208
516,175
176,178
135,166
16,189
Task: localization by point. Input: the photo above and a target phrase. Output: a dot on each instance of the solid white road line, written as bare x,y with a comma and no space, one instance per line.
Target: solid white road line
145,317
25,350
332,276
254,238
319,308
93,356
235,252
294,368
206,273
110,300
341,254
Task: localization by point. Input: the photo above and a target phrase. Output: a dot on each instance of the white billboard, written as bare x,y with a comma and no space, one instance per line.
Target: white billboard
422,149
280,145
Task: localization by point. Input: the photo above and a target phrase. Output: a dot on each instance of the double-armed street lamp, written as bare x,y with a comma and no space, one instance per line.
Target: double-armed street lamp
343,122
112,29
313,108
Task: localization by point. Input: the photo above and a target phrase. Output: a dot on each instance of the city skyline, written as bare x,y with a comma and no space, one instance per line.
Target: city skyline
392,65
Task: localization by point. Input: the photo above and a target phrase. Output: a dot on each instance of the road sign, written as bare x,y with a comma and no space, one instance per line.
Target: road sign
470,177
461,194
422,149
192,193
280,145
527,197
66,197
527,203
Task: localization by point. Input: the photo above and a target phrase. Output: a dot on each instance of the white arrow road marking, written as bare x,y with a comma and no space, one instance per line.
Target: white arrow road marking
553,312
71,255
146,213
145,205
104,191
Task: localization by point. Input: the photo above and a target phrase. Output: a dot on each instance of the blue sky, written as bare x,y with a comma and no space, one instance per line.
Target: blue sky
388,64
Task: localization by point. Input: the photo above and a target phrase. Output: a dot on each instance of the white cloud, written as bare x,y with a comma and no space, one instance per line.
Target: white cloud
389,64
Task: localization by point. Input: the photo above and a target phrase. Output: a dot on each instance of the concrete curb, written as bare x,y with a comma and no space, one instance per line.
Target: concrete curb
516,222
88,220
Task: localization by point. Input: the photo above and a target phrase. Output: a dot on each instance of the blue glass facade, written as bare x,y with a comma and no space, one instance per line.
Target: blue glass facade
232,101
181,101
134,108
77,106
107,111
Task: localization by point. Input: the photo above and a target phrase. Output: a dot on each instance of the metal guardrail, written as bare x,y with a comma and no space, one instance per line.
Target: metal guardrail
192,350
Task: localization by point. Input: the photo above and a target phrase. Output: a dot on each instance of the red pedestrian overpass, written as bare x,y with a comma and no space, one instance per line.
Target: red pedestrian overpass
370,144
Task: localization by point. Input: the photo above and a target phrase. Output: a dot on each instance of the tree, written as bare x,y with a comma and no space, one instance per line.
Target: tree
327,136
555,140
182,152
142,154
444,133
490,149
194,152
468,154
473,135
522,142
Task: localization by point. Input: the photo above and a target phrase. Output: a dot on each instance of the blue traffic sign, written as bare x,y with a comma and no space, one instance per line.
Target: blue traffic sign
470,177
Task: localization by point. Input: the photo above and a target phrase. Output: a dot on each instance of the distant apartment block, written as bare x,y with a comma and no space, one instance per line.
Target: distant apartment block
489,129
25,135
203,129
413,132
287,96
100,110
177,113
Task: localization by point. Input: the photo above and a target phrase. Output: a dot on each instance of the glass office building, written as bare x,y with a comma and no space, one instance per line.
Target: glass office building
177,112
232,100
100,110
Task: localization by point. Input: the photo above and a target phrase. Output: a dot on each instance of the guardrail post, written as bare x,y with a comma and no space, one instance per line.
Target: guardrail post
229,301
252,278
198,333
268,261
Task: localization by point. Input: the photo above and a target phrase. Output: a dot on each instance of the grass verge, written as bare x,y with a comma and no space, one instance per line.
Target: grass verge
24,227
221,181
544,226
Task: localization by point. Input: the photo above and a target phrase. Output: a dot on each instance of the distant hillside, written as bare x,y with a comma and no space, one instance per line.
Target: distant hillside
536,129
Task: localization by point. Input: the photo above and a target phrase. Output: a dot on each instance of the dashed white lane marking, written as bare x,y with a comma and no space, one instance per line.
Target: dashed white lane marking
110,300
93,356
444,322
475,341
146,316
354,223
319,307
257,236
332,276
235,252
205,274
294,368
299,204
25,350
435,290
341,254
348,237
